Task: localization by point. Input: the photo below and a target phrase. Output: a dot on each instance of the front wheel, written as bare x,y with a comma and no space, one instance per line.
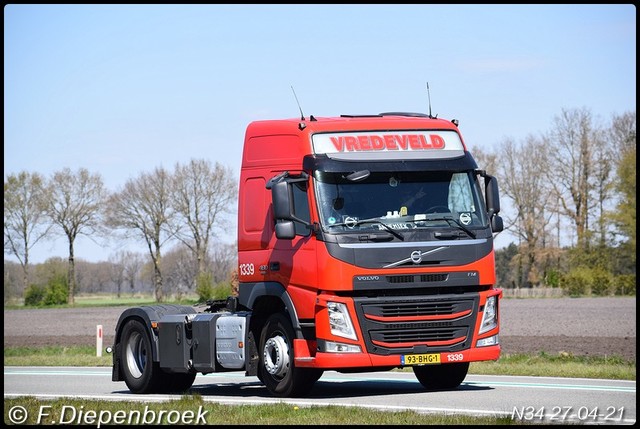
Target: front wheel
277,369
441,377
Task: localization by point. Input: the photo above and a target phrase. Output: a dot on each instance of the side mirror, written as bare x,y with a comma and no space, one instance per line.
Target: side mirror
493,195
282,199
497,224
285,230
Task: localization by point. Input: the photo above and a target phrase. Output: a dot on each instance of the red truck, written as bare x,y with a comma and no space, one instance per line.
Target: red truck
365,243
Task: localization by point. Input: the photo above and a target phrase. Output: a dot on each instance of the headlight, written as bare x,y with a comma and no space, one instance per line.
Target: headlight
339,321
490,315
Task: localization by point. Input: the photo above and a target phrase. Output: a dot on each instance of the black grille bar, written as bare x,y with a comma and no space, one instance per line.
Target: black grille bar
417,324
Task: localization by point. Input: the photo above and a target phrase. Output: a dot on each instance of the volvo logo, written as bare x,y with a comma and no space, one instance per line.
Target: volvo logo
415,257
465,218
368,278
351,222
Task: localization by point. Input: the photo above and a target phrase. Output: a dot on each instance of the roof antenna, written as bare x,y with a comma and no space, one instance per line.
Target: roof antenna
429,95
294,94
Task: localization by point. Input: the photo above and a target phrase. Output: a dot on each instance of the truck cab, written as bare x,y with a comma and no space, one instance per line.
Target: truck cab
373,236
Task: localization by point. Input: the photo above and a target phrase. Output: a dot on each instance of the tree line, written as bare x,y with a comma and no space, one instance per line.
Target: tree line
187,206
569,199
571,193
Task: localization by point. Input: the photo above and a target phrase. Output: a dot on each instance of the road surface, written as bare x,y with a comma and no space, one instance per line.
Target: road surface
534,399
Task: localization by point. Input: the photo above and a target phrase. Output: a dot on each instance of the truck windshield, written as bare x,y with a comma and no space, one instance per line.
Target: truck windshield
399,200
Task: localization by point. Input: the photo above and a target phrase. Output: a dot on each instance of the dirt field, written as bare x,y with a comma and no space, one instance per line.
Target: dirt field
581,326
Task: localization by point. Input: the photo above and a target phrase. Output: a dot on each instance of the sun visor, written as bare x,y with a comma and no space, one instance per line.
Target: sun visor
394,145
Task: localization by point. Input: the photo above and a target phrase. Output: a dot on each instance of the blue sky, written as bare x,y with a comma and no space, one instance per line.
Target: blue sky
122,89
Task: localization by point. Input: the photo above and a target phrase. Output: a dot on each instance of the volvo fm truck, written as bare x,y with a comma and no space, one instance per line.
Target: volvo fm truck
365,243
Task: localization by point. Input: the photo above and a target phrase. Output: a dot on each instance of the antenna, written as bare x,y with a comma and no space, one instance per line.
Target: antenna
294,94
429,96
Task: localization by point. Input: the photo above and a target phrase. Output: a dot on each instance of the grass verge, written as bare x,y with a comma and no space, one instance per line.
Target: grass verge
192,409
541,364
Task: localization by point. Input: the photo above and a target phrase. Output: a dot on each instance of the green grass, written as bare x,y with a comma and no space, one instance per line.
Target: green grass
187,409
560,365
107,300
541,364
55,356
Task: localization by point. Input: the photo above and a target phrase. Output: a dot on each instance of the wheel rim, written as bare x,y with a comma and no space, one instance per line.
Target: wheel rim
276,356
136,355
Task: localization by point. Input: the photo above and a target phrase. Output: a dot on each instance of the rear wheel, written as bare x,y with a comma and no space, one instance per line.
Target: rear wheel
141,374
277,369
441,377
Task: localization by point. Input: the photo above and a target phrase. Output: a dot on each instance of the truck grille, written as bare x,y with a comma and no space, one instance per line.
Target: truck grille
410,337
417,309
420,278
417,324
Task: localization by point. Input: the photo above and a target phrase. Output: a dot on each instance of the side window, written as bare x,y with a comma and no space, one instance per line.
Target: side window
301,207
460,197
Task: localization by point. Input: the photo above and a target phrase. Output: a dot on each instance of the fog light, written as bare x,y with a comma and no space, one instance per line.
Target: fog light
489,341
333,347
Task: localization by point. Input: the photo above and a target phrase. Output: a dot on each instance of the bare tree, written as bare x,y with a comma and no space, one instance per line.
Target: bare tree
181,273
93,277
571,169
224,259
125,266
12,281
486,160
623,134
25,221
604,185
524,184
202,195
132,265
143,209
117,270
75,206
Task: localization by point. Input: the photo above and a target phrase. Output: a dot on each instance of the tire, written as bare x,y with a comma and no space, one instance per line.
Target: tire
177,382
141,374
441,377
276,368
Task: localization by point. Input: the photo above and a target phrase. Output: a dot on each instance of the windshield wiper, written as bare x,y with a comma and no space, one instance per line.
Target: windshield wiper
450,219
372,220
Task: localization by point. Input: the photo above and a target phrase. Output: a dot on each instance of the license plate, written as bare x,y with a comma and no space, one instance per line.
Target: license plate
420,359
